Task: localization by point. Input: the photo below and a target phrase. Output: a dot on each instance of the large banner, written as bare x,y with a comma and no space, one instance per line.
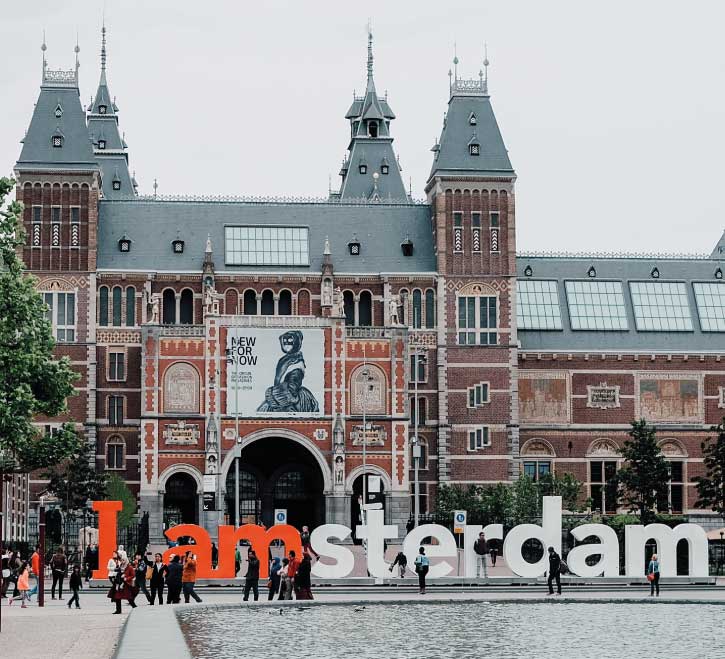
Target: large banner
275,372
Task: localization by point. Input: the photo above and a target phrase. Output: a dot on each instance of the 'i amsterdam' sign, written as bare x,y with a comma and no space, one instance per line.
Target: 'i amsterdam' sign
337,561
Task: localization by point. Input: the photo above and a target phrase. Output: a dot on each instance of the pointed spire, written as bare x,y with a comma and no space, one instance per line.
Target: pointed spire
455,60
77,50
156,187
371,83
103,52
208,244
44,47
485,68
327,250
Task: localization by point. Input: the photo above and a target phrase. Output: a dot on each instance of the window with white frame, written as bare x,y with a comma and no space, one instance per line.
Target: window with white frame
115,410
457,232
475,232
419,416
478,394
478,438
62,315
477,320
418,370
267,246
115,452
535,469
116,364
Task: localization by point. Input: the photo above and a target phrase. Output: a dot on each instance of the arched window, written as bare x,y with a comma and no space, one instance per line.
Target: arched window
348,301
231,300
117,293
250,303
169,307
115,452
267,303
304,305
285,303
130,306
373,128
103,306
181,389
365,309
417,309
186,307
430,308
477,315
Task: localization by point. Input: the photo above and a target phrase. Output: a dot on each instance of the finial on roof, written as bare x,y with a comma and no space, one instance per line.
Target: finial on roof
208,243
485,67
44,47
455,60
327,249
77,50
103,47
370,53
156,187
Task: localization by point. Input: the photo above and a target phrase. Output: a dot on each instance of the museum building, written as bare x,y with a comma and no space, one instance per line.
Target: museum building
239,356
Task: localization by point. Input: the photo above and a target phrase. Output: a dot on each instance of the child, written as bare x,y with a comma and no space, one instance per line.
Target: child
23,585
76,583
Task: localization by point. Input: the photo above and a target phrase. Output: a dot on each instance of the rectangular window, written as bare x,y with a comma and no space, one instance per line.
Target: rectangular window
115,410
477,326
62,315
673,499
494,217
537,305
478,438
418,368
116,365
267,246
457,232
37,213
478,394
535,469
602,491
114,456
55,214
596,305
75,214
476,232
710,298
418,417
660,306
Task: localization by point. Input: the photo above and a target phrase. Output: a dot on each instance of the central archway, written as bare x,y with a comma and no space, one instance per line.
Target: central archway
277,472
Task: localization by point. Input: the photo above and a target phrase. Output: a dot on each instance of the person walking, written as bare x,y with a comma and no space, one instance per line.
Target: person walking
35,570
214,555
480,548
112,566
554,572
303,581
23,585
422,564
76,583
410,525
58,567
305,538
274,578
188,578
237,561
251,581
285,583
158,572
174,573
294,563
493,553
653,574
140,581
123,580
401,560
92,562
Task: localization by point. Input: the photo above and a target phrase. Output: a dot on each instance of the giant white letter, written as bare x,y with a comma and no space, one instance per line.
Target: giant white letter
344,557
446,547
374,531
608,564
491,531
636,535
548,534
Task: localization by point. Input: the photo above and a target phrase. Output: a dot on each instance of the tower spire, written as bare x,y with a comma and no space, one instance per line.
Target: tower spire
455,61
485,67
103,50
77,50
370,55
44,47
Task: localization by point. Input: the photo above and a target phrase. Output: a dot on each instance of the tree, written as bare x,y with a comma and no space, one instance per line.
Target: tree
117,490
77,480
457,497
497,503
32,381
643,480
711,487
567,486
526,500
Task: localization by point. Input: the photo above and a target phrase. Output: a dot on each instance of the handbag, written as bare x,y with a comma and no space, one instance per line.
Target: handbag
651,576
269,583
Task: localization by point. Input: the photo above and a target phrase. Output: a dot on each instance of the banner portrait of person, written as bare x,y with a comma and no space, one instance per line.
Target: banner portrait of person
275,372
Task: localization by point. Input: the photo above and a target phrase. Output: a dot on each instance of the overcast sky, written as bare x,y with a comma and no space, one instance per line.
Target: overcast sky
613,113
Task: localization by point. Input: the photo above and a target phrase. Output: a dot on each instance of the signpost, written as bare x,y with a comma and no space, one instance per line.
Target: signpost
459,528
280,516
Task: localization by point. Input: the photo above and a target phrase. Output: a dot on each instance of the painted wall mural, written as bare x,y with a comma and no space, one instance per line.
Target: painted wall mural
544,398
670,398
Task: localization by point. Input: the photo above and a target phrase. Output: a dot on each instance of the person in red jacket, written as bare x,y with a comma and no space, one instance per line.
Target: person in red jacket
123,587
294,564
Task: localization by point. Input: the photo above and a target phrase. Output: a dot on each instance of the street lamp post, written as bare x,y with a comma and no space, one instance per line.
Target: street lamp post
230,355
419,360
722,549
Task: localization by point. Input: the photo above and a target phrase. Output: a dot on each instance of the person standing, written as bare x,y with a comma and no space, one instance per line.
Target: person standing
174,573
140,581
654,581
58,566
22,585
123,580
188,578
480,548
251,581
410,525
554,572
422,564
36,569
214,555
158,572
303,581
112,566
294,563
401,560
76,583
237,561
285,583
274,578
494,553
305,538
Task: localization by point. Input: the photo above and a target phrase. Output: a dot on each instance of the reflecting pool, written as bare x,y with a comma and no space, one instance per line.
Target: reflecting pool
429,631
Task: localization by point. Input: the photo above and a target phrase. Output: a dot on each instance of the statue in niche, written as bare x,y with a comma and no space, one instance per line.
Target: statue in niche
211,303
394,309
339,470
327,293
155,310
338,304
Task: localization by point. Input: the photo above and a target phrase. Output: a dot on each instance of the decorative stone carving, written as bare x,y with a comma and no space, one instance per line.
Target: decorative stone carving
339,470
155,316
327,292
338,304
181,389
603,396
373,436
536,447
672,449
721,401
368,391
320,434
211,301
603,448
394,305
182,433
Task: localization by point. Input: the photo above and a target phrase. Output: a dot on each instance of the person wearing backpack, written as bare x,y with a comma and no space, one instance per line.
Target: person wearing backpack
58,567
422,564
554,572
401,560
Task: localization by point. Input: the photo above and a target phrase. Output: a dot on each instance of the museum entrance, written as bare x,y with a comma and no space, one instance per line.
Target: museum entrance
277,473
181,502
375,493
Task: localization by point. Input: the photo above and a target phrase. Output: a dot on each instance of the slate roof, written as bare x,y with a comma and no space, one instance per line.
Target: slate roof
374,152
152,225
562,269
76,153
719,251
452,155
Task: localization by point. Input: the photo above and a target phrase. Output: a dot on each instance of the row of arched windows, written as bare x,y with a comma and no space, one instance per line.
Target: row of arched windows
120,303
421,305
184,314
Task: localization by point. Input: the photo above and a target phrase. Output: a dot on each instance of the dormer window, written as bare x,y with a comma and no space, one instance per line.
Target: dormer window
178,246
354,246
363,168
407,247
58,111
116,185
591,272
57,141
385,169
124,245
472,119
655,273
474,149
102,109
101,144
373,128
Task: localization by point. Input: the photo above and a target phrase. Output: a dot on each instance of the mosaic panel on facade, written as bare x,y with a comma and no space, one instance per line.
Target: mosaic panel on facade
669,398
544,398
